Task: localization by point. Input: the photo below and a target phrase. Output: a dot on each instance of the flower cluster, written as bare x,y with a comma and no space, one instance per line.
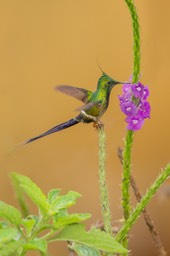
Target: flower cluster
134,104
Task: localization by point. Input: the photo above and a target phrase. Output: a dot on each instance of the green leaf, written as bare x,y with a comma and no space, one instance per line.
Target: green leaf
53,194
94,238
36,244
10,213
30,222
21,198
33,191
4,224
84,250
10,248
8,234
63,202
62,221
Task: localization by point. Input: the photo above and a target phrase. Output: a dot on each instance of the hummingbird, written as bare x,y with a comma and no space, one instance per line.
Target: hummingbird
95,104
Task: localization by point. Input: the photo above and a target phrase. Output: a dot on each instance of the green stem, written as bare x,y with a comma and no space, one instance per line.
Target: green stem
126,180
129,135
104,197
143,203
126,174
136,40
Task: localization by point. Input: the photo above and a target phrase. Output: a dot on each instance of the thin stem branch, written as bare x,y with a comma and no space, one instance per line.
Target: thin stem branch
142,204
148,221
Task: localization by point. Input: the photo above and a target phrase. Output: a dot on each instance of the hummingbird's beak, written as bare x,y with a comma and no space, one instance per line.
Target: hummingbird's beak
117,82
123,82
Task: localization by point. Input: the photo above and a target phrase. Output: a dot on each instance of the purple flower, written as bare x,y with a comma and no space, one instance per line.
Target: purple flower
137,90
145,93
134,122
134,104
128,108
145,109
124,98
127,87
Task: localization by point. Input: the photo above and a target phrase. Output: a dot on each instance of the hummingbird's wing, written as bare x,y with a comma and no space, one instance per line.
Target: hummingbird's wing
78,93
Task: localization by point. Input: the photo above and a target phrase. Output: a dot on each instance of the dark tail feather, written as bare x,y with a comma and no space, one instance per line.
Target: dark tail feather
57,128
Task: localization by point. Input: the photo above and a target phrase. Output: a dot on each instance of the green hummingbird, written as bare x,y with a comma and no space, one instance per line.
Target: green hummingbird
95,104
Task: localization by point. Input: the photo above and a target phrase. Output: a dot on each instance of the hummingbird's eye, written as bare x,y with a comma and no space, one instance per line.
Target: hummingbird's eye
110,82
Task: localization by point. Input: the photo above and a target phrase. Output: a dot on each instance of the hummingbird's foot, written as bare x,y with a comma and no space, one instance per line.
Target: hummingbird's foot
98,125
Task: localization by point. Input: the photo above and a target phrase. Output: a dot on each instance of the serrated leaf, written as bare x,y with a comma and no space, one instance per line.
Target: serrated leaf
10,213
94,238
63,202
33,191
10,248
36,244
52,195
62,221
84,250
8,234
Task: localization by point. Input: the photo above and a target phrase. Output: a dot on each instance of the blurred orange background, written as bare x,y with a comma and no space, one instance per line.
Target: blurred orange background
45,43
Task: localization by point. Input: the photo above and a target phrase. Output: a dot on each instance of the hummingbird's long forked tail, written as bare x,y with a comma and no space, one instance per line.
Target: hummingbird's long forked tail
56,128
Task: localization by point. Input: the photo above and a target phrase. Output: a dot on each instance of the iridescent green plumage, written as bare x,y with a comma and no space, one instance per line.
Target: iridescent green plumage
101,96
95,104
